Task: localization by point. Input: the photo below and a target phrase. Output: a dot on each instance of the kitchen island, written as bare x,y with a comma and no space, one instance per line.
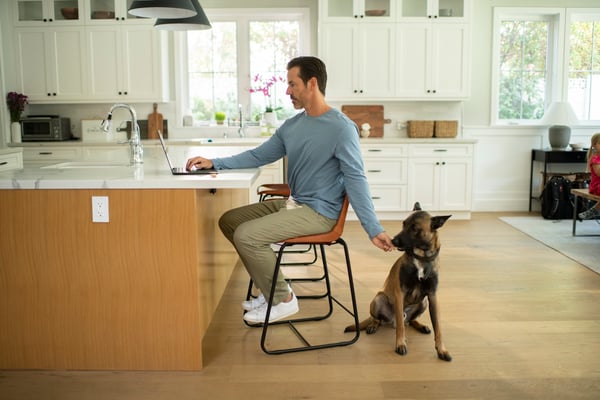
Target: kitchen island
136,293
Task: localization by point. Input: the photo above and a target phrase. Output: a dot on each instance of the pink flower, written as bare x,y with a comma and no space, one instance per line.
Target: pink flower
16,105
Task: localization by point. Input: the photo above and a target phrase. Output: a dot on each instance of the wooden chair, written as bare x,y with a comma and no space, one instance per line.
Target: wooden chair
333,237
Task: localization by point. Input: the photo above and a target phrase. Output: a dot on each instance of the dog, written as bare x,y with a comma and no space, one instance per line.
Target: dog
411,283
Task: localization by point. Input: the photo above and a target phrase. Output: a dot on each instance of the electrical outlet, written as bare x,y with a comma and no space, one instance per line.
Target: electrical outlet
100,209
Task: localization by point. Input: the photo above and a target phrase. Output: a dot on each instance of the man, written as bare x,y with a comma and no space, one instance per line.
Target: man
324,164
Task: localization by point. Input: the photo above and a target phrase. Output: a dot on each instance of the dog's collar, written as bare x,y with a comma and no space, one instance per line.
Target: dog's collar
422,258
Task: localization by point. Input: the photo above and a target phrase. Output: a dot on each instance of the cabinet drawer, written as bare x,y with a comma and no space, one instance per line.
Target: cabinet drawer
380,150
50,153
11,161
442,150
386,171
388,198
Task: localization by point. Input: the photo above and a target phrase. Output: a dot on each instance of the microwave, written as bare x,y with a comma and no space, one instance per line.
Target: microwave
45,128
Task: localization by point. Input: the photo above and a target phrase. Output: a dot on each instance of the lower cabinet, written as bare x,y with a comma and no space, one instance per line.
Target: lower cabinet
438,176
441,177
11,160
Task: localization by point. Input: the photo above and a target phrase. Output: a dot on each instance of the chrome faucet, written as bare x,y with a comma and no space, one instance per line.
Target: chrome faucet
136,151
242,128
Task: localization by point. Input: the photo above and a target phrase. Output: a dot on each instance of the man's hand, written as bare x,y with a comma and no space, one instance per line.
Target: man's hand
383,241
198,163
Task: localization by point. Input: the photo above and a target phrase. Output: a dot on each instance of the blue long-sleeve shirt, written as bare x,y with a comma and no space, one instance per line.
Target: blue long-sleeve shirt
324,163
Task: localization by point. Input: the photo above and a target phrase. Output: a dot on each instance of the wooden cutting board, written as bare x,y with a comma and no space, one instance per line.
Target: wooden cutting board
372,114
155,122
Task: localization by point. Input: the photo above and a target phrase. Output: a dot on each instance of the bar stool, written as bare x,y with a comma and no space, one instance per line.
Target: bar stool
330,238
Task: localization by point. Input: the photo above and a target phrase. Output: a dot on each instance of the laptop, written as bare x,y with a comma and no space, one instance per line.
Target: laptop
182,170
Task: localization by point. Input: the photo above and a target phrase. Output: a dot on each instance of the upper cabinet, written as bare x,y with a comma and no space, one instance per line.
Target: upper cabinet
344,10
103,55
395,49
434,9
46,12
109,11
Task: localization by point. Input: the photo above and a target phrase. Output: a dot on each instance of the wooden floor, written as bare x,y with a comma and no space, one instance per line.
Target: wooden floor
520,320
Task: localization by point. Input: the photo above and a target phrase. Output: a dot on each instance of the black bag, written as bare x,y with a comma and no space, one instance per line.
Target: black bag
557,201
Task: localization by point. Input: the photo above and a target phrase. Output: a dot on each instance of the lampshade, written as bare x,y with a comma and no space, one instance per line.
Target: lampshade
559,117
197,22
559,113
162,8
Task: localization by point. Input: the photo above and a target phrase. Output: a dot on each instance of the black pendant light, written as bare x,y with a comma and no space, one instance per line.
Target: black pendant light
197,22
162,8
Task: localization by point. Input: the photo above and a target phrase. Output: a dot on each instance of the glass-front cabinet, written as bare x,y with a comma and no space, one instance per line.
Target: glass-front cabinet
36,12
339,10
104,11
434,9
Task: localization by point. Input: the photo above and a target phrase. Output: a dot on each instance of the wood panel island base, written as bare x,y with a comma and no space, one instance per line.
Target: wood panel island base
136,293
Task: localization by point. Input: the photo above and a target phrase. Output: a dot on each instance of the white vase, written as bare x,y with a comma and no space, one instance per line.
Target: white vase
15,132
270,118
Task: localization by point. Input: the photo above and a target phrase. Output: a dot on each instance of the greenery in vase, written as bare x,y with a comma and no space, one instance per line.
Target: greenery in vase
220,116
16,105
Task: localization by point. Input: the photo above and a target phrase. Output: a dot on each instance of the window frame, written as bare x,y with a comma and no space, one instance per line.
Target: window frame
242,16
555,64
587,13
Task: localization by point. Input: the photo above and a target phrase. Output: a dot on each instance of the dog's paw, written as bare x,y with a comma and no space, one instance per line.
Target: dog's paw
371,329
420,327
402,350
444,356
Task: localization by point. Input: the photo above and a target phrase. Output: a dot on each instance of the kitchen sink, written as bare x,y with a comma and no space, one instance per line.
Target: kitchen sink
87,164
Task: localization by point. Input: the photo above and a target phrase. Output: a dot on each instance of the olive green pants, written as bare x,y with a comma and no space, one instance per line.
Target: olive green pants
253,228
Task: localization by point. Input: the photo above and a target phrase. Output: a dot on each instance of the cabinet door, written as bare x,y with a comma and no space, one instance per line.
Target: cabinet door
51,63
141,63
105,64
423,182
450,66
44,12
339,52
413,42
377,73
125,63
456,177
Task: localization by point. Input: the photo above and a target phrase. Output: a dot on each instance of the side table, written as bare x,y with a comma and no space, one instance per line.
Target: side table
548,156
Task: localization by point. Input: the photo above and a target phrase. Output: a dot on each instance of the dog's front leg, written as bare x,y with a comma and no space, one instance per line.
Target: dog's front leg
434,313
401,347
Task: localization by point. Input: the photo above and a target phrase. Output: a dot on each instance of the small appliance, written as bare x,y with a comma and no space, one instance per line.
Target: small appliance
45,128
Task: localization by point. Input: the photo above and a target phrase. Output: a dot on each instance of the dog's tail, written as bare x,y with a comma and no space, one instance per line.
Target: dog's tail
362,326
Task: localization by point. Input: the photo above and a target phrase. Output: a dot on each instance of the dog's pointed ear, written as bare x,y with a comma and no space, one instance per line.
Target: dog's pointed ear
417,207
438,221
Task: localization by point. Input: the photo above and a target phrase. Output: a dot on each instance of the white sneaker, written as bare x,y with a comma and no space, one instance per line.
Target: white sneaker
278,311
254,302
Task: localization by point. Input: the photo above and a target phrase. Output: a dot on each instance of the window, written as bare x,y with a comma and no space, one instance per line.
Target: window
241,61
542,55
583,85
525,64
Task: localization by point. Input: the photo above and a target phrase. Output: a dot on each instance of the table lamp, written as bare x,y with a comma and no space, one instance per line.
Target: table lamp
558,117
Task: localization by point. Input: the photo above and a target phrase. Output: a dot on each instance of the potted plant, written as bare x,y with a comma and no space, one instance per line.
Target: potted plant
16,105
220,117
264,86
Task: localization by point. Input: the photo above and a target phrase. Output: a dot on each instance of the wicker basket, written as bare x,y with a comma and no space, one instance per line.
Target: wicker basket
419,129
446,129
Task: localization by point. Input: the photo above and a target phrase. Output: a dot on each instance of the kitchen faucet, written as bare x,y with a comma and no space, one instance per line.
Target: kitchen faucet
242,128
136,153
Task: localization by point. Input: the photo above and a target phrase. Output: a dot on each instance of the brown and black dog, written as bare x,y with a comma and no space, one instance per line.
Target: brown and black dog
411,282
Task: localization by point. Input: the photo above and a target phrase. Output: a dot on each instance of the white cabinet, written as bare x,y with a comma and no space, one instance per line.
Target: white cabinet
47,12
433,9
432,60
111,11
359,58
10,160
51,63
386,172
50,154
440,177
344,10
125,63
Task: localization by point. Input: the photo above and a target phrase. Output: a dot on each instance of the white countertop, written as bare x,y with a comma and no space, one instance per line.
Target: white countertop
154,173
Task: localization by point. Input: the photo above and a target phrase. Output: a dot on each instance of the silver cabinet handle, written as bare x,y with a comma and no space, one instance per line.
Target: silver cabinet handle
374,170
374,150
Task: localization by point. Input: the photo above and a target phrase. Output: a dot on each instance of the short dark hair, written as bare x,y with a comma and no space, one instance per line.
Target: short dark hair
310,67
